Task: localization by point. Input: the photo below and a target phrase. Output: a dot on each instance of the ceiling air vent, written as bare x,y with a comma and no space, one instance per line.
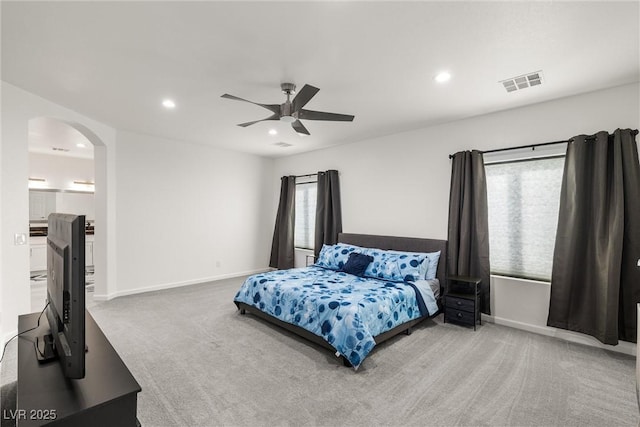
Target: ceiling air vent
64,150
522,82
283,144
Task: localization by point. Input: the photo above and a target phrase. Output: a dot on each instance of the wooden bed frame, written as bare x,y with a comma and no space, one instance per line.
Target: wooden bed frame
408,244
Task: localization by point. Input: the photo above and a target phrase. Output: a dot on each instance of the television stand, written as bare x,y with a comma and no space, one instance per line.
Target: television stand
106,396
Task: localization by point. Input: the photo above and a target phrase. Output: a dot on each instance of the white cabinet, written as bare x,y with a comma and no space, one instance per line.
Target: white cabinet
38,260
76,203
88,254
41,204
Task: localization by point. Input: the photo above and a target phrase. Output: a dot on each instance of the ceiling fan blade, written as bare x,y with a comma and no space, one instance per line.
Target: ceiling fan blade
274,108
273,117
299,127
306,93
321,115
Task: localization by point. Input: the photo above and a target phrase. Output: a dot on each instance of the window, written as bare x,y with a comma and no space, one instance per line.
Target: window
523,200
305,227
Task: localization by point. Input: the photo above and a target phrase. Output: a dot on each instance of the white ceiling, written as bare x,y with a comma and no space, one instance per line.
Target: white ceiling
51,136
116,62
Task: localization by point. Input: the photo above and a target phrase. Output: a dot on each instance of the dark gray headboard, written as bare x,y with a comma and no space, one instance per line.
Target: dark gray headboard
409,244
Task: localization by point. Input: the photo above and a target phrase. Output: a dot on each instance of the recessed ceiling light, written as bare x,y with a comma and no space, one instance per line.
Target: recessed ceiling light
273,132
443,77
80,145
168,103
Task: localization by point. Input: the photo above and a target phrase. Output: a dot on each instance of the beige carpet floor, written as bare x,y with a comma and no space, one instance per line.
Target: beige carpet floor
201,363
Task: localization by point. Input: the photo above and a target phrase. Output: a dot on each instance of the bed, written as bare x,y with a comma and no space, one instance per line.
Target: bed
345,313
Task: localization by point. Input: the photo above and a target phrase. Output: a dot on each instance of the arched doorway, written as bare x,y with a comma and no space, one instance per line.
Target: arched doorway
67,164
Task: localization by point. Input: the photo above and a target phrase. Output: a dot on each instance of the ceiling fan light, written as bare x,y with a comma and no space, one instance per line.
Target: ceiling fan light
291,111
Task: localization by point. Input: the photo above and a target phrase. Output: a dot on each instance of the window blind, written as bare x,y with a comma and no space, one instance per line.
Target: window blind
523,200
306,197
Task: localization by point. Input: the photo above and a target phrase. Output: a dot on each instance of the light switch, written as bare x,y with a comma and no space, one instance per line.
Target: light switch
20,239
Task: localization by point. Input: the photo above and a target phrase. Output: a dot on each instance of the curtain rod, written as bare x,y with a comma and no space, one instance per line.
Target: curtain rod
532,146
307,175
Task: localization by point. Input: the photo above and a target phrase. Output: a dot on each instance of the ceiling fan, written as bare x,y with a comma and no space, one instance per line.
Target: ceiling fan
291,111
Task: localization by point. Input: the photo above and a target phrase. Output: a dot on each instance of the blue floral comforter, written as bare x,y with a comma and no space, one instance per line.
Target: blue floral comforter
345,310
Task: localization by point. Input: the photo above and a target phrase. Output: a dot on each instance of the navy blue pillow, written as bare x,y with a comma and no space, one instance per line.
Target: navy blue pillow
356,264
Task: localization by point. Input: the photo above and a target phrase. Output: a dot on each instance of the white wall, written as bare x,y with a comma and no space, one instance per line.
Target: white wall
60,171
224,202
180,208
5,326
189,213
18,107
399,184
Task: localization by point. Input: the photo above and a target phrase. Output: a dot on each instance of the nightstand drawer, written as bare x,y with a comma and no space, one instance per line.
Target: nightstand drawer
460,303
466,317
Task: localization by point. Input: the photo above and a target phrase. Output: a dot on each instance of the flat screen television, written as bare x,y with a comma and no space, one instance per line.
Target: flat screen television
65,295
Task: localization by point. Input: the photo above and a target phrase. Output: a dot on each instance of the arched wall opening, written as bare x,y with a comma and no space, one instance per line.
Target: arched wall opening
18,107
60,144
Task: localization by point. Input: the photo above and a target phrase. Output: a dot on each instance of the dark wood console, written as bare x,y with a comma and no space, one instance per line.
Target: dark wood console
106,396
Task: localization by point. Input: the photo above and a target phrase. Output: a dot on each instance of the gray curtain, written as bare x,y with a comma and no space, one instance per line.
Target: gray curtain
595,282
328,210
468,235
282,247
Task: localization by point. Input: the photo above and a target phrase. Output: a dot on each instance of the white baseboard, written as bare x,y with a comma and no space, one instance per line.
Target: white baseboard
102,297
623,347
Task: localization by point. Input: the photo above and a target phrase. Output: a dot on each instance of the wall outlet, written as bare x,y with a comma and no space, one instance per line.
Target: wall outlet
20,239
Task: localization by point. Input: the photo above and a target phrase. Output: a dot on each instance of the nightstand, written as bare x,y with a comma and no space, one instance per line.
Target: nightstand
462,300
311,258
